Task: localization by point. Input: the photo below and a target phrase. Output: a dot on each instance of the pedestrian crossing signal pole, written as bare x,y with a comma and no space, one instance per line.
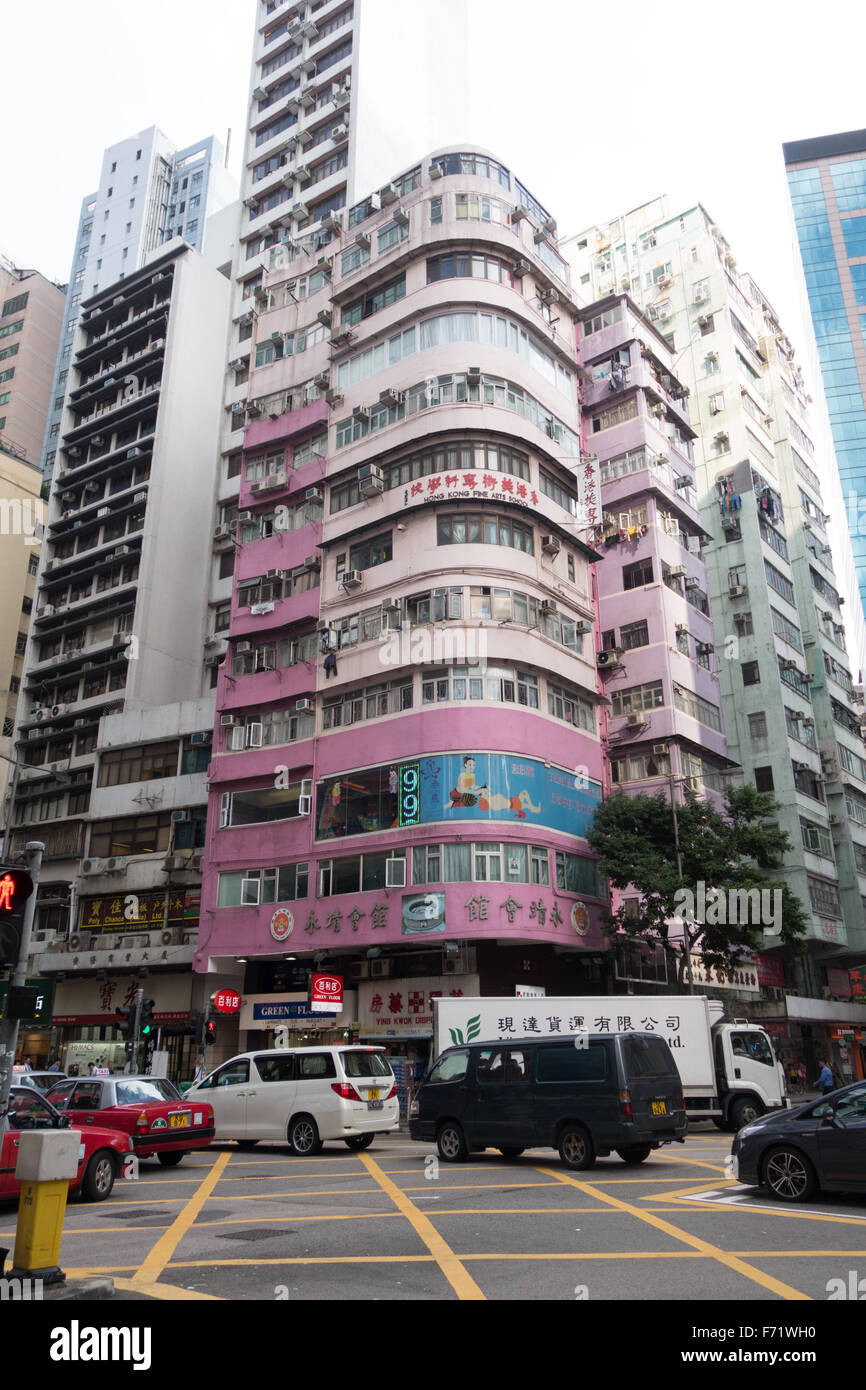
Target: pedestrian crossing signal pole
18,885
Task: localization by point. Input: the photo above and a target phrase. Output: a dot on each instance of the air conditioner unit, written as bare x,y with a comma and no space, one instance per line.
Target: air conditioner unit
314,494
395,873
473,376
401,217
518,212
312,562
228,721
324,317
379,969
362,413
391,398
198,740
677,571
334,398
551,545
704,648
611,656
737,591
344,336
702,293
788,665
548,295
548,606
436,171
273,480
305,704
388,194
92,866
582,627
359,970
692,582
260,93
121,551
181,817
103,511
635,721
222,533
659,748
48,611
729,522
352,579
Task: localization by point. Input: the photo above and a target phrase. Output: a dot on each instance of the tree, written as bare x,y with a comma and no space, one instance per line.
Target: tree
726,895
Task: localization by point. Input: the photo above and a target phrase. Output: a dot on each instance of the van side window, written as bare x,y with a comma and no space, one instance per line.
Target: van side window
275,1068
502,1067
450,1068
312,1065
570,1063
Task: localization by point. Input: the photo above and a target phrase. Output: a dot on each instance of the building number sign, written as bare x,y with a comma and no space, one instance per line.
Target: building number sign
409,791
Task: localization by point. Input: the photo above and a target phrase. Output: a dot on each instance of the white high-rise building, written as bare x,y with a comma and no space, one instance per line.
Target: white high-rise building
149,192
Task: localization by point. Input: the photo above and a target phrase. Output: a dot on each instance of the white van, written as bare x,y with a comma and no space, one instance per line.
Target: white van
303,1095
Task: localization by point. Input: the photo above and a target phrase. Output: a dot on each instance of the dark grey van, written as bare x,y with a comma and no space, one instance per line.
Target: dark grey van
585,1096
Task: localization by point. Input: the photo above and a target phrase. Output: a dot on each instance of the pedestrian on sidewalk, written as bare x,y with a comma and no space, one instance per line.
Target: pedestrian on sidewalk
825,1082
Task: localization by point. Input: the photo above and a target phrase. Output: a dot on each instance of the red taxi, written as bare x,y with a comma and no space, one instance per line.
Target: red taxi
147,1108
100,1153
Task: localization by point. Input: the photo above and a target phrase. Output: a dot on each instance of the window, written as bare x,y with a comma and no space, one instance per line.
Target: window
370,703
133,835
577,874
261,805
637,698
751,673
475,207
634,635
468,264
699,709
758,725
392,235
571,707
636,575
12,306
764,779
366,554
374,301
817,839
481,528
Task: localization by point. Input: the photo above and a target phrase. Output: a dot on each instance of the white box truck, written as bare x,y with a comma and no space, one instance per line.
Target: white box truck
728,1069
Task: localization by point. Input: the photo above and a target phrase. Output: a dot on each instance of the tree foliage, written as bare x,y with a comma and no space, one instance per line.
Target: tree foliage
722,854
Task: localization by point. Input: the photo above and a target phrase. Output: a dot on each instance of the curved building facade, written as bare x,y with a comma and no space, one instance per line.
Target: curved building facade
408,742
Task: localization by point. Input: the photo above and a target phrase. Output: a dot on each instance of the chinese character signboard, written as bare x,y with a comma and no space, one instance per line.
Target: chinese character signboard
326,995
744,978
589,491
404,1008
227,1001
130,912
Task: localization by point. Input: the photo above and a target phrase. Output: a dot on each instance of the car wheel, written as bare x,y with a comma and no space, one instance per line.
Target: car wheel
99,1177
789,1175
172,1158
360,1141
246,1143
745,1112
575,1147
511,1152
636,1154
304,1136
451,1142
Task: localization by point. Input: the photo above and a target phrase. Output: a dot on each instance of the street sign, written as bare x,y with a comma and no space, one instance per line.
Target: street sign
327,994
44,999
227,1001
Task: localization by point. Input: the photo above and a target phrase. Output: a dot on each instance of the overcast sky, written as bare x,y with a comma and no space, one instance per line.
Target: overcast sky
597,107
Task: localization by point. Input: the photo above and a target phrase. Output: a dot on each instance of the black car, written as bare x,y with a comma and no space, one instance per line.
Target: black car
585,1096
795,1152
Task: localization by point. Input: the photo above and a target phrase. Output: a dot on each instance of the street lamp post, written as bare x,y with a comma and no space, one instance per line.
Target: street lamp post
686,943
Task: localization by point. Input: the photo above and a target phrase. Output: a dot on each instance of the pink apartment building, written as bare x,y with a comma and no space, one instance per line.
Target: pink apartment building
407,750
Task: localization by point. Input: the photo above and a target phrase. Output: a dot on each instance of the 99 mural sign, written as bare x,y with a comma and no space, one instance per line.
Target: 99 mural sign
409,792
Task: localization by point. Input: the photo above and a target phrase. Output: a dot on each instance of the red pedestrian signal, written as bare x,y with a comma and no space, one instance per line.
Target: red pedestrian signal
16,886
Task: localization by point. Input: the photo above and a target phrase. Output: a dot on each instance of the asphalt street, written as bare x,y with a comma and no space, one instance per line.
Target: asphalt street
395,1223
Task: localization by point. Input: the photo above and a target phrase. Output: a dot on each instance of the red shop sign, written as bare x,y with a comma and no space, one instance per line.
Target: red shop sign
327,993
227,1001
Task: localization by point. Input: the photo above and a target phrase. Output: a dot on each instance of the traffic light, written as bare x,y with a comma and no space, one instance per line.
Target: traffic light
147,1024
16,885
209,1031
125,1015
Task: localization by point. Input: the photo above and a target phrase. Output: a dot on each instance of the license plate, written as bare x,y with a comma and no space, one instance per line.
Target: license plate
178,1121
373,1093
659,1107
374,1104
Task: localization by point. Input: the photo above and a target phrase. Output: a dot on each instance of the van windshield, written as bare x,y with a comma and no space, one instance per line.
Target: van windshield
364,1064
645,1056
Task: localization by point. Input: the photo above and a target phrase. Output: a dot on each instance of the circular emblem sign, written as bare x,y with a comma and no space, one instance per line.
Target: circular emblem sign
282,924
580,918
227,1001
